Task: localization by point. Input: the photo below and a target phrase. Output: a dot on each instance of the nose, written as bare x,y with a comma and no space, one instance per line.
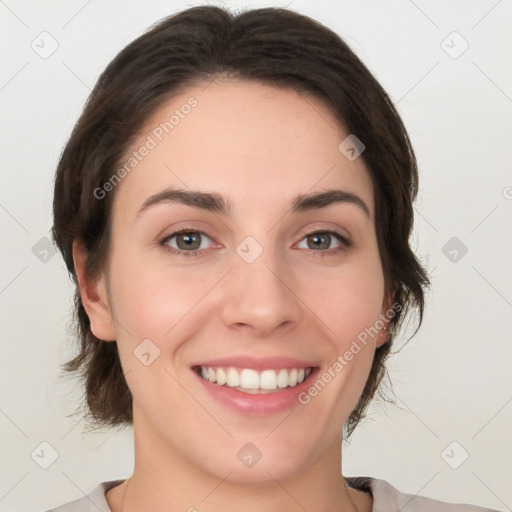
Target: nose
260,296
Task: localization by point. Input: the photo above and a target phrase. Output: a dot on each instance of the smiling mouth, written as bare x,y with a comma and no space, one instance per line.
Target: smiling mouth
248,380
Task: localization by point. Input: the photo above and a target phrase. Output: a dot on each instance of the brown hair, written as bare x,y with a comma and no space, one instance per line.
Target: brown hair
275,46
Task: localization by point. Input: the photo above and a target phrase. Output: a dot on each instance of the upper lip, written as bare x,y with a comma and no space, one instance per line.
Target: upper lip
258,364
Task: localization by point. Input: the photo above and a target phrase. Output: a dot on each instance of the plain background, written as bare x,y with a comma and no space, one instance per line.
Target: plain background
451,381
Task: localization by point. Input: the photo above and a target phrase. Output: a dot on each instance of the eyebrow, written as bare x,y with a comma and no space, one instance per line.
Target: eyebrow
216,203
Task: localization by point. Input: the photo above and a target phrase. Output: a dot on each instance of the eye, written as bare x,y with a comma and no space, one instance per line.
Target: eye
188,242
322,240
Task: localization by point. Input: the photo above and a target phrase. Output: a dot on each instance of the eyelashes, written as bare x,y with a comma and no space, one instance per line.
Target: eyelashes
344,244
194,236
185,231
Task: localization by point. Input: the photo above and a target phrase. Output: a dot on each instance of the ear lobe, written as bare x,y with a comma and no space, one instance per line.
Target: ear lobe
386,308
383,335
94,296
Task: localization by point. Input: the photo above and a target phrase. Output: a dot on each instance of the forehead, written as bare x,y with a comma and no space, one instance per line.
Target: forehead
251,142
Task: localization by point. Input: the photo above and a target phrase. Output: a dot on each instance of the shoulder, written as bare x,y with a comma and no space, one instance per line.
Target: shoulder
387,498
94,501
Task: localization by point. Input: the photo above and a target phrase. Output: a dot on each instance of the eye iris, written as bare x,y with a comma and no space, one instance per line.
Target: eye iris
194,238
191,240
317,237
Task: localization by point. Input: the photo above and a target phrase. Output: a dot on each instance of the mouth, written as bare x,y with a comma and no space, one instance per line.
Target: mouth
251,381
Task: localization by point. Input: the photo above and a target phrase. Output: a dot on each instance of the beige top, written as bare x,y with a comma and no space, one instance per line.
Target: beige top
385,499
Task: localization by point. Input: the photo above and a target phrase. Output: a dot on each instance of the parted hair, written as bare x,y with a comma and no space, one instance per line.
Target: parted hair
274,46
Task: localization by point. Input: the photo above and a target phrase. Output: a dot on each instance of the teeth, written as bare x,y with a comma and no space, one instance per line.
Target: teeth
221,377
282,379
212,375
233,379
248,379
268,379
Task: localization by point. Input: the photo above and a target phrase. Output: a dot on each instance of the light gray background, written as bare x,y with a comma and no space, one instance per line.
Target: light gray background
452,381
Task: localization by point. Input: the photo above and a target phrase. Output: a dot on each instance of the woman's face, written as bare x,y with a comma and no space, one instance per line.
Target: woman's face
262,284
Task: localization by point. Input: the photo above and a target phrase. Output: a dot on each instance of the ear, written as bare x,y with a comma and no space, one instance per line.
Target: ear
94,296
386,319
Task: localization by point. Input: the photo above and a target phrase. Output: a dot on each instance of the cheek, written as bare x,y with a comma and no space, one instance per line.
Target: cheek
351,301
150,299
148,306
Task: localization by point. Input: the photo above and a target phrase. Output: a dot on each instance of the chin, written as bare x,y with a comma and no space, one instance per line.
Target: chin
263,471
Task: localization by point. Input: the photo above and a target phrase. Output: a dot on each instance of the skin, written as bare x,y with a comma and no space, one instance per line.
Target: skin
260,147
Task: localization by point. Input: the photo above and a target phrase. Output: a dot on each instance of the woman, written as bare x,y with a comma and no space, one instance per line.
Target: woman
235,205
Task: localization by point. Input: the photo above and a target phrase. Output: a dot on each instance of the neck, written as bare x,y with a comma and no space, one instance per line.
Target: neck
164,480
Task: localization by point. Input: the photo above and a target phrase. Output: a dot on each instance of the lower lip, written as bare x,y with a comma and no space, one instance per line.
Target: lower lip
257,404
